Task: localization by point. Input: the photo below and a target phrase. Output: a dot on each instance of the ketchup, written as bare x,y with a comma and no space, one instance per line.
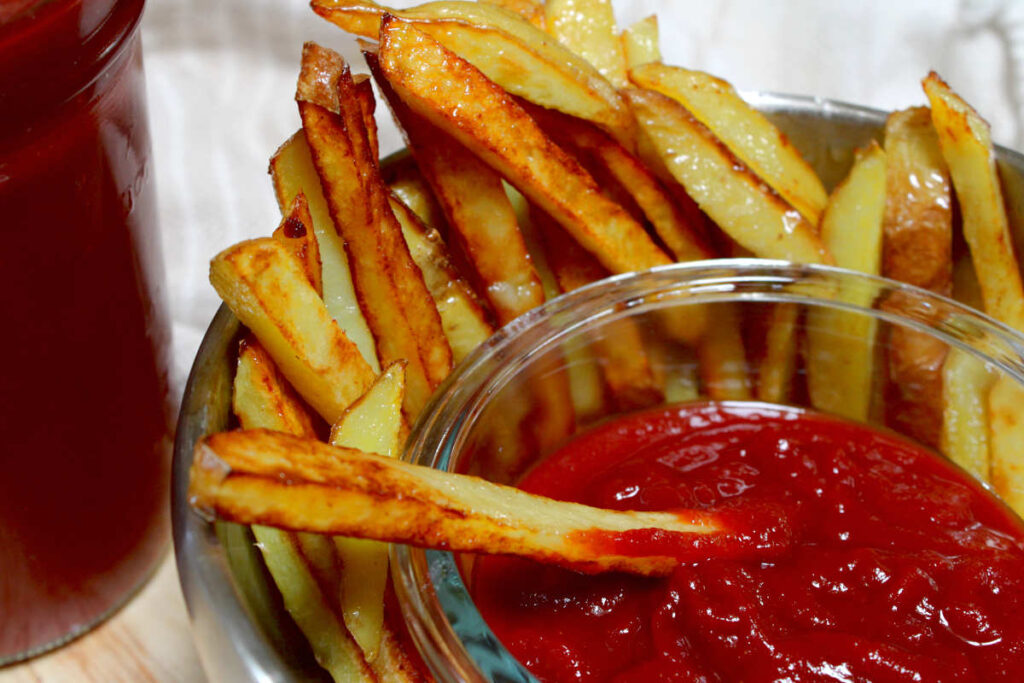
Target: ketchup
84,418
902,567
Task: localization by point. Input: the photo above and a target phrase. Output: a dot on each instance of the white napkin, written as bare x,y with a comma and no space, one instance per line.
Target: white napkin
221,77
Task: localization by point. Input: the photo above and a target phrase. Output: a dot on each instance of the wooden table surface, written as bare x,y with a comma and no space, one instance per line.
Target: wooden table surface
147,640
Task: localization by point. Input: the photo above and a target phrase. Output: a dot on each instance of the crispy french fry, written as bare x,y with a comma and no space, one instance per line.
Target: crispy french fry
678,226
587,27
967,147
531,10
268,291
723,359
372,424
748,134
477,210
261,476
775,371
292,171
640,42
261,398
508,49
620,350
333,647
363,92
460,100
407,183
916,249
964,436
464,321
389,286
841,344
296,234
729,192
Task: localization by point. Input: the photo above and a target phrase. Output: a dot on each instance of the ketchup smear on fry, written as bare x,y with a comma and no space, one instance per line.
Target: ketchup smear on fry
902,568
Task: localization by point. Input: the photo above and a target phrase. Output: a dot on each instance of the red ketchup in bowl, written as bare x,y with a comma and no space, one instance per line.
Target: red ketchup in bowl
902,568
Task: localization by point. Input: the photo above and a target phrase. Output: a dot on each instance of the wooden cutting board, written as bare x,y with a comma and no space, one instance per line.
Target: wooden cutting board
147,640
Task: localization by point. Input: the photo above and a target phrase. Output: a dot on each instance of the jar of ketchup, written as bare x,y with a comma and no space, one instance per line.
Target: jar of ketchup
84,420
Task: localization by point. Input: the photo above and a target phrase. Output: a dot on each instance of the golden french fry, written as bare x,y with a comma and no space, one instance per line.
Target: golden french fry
723,359
268,291
302,568
333,647
640,42
263,476
477,210
729,192
967,147
620,350
917,249
389,286
296,234
508,49
678,226
460,100
292,171
407,183
531,10
841,344
775,371
748,134
964,437
363,92
372,424
587,27
464,321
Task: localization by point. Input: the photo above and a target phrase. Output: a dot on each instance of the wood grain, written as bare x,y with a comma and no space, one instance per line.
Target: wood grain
147,640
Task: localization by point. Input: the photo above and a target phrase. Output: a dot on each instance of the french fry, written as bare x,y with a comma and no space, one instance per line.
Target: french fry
677,226
964,435
748,134
267,290
775,371
723,360
587,27
267,477
333,647
389,286
508,49
363,92
407,183
967,147
460,100
916,249
640,42
292,171
477,210
296,234
620,349
531,10
372,424
841,344
261,398
730,193
464,321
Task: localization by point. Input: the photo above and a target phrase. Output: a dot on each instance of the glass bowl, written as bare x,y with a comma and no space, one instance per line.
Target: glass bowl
466,427
240,627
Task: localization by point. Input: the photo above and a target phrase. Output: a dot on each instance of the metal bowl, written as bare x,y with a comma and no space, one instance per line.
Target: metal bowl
240,626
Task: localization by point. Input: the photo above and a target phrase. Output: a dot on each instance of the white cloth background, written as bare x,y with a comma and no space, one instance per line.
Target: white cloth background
221,76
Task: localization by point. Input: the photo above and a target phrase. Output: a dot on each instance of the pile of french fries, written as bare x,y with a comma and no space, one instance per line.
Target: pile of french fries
548,150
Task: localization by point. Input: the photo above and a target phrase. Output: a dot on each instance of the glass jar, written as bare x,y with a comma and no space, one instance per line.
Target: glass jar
85,421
